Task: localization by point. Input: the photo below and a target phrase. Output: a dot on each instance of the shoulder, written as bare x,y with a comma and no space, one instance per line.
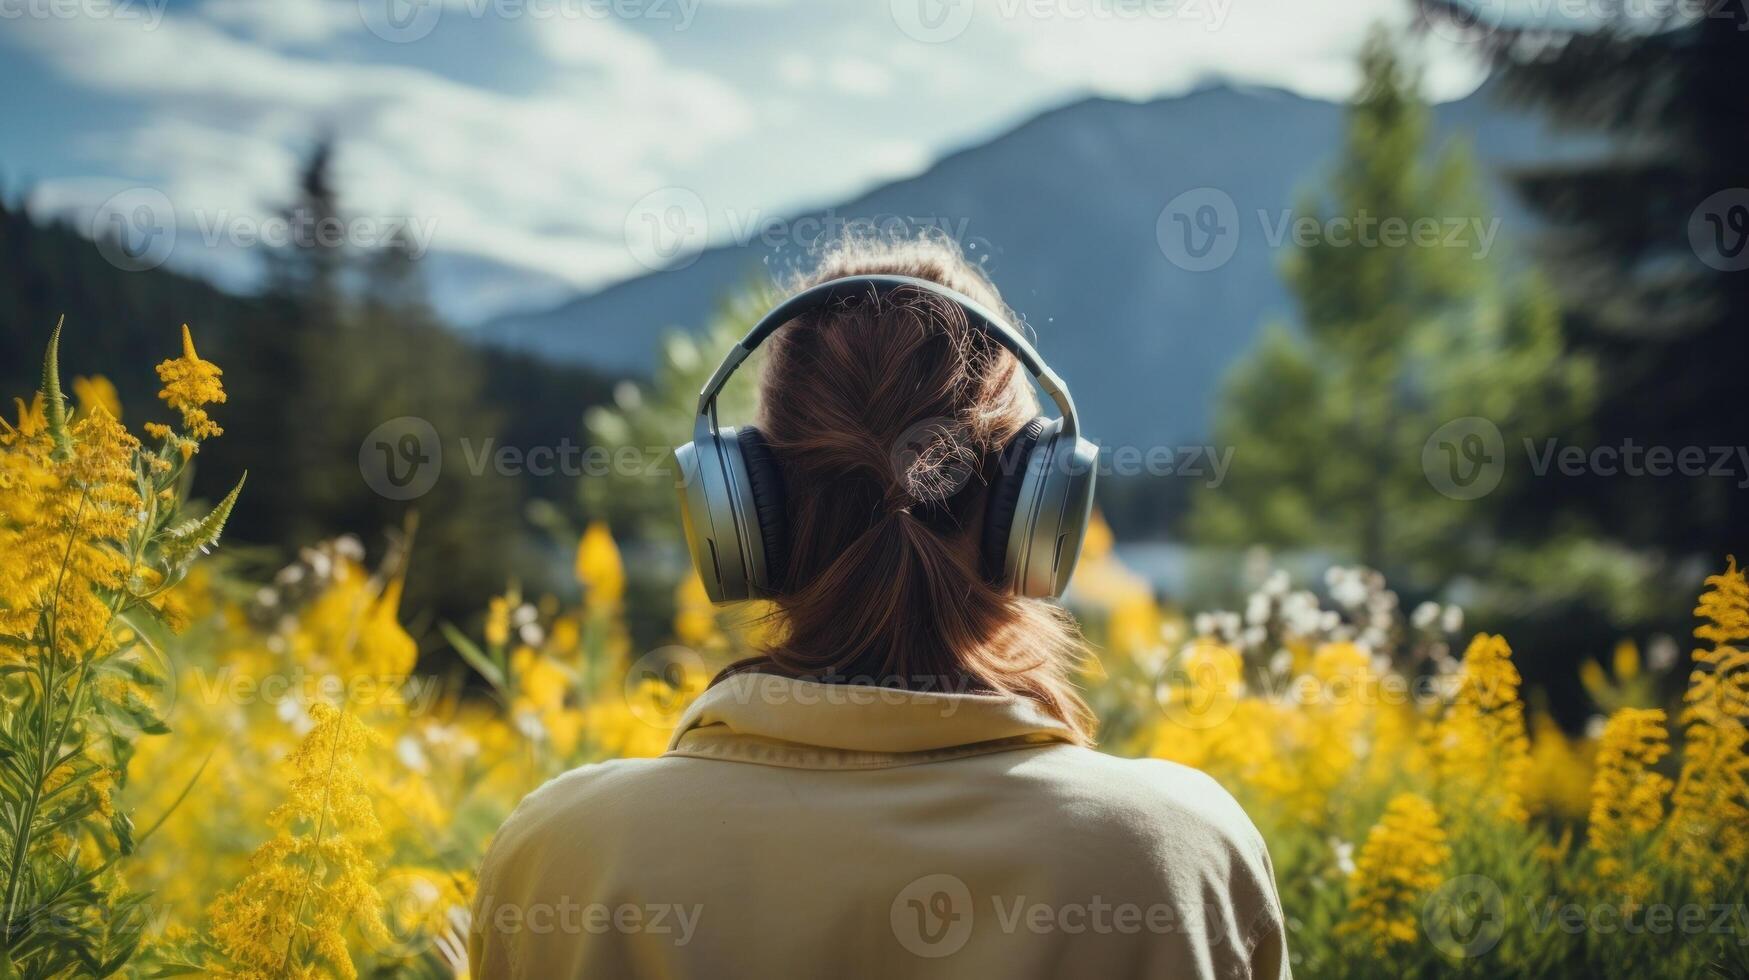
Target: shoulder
1153,805
600,796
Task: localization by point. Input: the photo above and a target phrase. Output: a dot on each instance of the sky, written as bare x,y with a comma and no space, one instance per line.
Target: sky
578,142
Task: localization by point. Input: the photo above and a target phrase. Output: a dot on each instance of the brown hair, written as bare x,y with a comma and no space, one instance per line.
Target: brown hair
887,418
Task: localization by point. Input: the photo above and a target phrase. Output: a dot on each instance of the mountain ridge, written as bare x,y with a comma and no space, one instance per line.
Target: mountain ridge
1143,340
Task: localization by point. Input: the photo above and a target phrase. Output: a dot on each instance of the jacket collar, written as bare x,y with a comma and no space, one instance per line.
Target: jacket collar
781,721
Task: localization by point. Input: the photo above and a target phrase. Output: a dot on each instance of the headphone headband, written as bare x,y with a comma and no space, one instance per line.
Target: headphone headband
835,290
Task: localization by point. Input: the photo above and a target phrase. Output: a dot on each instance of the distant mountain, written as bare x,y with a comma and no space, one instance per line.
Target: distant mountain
1063,211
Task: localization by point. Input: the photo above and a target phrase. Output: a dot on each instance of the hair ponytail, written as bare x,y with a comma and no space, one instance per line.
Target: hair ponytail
887,417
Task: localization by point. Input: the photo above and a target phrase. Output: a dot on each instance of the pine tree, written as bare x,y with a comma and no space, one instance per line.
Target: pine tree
1329,422
1647,239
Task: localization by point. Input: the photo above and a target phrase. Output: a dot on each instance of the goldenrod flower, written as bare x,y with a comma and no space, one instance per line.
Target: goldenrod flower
694,621
94,393
1561,771
384,650
1481,752
599,569
1401,863
497,621
1709,818
74,510
189,384
1627,796
307,884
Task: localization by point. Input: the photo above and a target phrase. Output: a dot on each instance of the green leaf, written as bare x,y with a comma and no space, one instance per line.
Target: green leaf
123,828
135,714
55,403
475,657
182,542
189,788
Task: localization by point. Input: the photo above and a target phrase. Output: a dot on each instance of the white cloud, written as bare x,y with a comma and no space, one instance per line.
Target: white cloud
286,21
542,180
859,76
753,110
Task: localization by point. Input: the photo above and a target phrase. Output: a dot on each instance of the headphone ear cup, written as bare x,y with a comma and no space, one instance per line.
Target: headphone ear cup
765,489
1004,499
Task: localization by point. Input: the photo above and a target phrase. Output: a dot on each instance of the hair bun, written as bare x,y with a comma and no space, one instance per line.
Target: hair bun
933,460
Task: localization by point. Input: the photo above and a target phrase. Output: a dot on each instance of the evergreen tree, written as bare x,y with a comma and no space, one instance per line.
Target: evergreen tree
1398,337
1648,240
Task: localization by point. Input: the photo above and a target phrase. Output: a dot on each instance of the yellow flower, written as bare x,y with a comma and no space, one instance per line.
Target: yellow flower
694,621
1709,816
1401,862
96,392
312,880
189,384
384,649
1561,770
598,567
77,510
1627,660
1481,752
1627,796
497,621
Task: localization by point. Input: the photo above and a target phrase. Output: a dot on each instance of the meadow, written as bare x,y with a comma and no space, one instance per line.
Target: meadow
206,773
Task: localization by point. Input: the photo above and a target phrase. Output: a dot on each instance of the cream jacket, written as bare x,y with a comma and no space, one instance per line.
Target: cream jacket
796,829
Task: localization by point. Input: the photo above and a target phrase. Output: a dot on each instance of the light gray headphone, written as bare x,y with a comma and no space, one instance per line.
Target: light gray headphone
732,496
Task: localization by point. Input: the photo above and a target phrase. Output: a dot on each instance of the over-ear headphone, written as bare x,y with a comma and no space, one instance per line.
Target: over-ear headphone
732,495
